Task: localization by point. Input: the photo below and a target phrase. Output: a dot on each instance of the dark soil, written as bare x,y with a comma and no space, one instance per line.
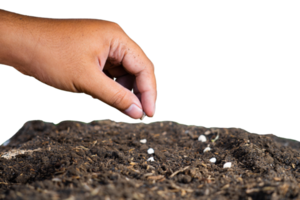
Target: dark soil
106,160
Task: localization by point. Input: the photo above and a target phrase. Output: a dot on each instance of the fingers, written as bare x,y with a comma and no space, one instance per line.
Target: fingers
140,65
125,57
137,63
107,90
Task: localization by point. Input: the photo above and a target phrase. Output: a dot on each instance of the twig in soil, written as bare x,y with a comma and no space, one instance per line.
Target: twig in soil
94,143
178,171
158,177
150,167
173,185
131,168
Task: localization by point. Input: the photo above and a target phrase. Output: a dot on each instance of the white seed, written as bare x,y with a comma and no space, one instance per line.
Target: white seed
151,159
206,149
213,160
207,133
202,138
150,151
144,141
227,165
144,114
186,132
56,179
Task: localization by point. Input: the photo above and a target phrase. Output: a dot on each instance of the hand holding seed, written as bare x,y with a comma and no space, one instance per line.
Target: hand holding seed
81,55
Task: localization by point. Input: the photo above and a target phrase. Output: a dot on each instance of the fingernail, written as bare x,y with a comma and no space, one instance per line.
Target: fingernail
134,111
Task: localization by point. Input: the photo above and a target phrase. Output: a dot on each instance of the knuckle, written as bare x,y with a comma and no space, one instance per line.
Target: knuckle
115,26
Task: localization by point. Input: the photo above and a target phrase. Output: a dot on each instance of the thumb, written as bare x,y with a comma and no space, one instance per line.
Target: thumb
99,86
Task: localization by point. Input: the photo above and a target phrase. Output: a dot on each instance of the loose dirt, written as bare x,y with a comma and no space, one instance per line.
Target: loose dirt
109,160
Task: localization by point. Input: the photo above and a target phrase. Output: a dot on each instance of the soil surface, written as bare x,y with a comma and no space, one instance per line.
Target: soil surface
109,160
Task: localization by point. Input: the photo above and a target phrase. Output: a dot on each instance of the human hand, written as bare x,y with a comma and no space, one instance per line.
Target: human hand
81,55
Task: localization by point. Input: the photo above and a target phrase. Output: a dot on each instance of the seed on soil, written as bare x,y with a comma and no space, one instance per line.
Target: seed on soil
202,138
79,161
227,165
213,160
56,180
143,141
207,132
206,149
151,159
150,151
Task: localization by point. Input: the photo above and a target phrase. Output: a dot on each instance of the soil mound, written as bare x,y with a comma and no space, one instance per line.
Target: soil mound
162,160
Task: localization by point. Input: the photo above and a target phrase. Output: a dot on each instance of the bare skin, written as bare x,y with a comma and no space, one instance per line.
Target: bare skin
81,55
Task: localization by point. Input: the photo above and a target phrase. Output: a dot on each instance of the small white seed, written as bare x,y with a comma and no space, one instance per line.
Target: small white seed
151,159
56,179
202,138
206,149
213,160
207,132
144,141
150,151
227,165
144,114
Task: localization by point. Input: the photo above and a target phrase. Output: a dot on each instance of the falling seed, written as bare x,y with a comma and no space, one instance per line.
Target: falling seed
144,114
151,159
227,165
150,151
206,149
213,160
144,141
186,132
202,138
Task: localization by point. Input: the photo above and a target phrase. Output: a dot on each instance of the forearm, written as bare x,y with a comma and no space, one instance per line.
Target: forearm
14,40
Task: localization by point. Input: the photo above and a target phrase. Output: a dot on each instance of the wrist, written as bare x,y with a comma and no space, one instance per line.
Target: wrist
14,40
